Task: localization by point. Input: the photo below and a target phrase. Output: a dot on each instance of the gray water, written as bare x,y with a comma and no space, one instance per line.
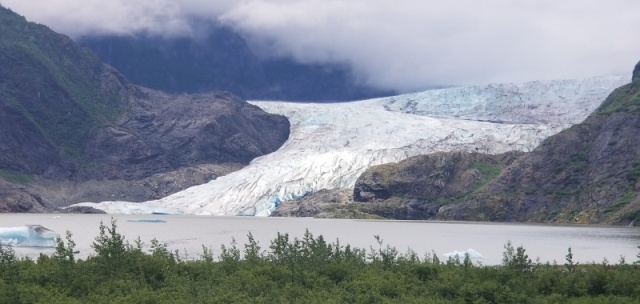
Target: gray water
189,233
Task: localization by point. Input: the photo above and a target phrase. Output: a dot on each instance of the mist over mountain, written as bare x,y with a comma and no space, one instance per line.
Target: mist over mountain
406,46
218,58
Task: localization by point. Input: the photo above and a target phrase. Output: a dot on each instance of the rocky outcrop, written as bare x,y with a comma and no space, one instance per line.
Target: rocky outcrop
337,203
17,199
73,129
636,72
417,187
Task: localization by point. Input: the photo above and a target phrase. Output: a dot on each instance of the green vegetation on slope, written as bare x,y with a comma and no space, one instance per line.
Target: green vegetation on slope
15,177
52,83
623,99
307,270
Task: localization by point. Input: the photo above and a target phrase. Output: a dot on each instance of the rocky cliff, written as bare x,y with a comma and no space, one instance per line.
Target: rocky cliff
74,129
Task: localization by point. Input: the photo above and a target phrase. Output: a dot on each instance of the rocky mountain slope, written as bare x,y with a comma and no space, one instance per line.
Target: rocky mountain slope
218,58
331,145
74,129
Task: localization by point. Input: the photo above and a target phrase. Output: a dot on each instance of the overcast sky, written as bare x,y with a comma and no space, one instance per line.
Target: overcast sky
406,45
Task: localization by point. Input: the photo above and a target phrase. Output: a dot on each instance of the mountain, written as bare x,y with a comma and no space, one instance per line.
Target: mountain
75,129
219,58
331,145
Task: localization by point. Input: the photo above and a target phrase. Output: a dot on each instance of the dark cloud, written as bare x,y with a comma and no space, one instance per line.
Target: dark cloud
404,45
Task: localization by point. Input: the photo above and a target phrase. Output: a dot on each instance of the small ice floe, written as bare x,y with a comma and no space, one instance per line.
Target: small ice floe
146,221
473,254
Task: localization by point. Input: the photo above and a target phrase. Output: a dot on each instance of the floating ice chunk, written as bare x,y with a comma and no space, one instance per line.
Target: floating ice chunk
473,254
28,236
146,221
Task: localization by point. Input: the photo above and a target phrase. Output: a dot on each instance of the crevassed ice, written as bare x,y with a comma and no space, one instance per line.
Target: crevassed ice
332,144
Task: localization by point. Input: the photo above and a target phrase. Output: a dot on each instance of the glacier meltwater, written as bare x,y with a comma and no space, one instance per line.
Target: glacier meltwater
330,145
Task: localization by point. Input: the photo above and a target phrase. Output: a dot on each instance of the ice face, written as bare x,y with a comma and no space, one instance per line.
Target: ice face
28,236
330,145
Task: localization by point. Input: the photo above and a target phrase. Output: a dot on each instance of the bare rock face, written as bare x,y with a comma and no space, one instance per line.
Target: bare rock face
636,72
163,133
17,199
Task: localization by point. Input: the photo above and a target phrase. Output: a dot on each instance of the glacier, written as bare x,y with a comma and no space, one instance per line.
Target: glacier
28,236
330,145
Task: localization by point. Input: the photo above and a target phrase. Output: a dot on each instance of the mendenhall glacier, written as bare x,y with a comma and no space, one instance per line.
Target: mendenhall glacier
330,145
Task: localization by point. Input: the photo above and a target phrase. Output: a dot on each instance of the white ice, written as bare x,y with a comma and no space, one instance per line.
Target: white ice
461,255
332,144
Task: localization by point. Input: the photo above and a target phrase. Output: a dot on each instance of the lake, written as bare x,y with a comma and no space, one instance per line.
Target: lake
189,233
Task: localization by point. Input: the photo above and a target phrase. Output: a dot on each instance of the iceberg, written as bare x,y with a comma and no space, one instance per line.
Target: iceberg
28,236
473,254
330,145
146,221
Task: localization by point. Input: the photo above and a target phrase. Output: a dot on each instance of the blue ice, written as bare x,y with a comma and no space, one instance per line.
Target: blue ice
28,236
